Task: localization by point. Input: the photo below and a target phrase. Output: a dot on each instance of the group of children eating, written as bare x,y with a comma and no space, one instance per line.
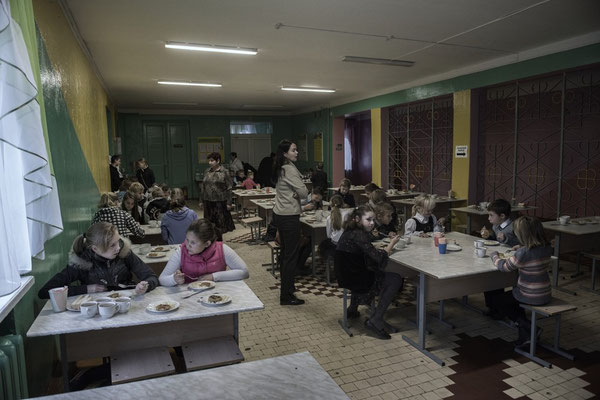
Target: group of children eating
101,258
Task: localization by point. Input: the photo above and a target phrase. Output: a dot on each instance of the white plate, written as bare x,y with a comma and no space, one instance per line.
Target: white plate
204,300
197,286
159,249
453,247
152,306
155,255
491,243
69,308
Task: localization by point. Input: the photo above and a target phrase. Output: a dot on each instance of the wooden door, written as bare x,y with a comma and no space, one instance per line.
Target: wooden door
178,155
155,154
251,148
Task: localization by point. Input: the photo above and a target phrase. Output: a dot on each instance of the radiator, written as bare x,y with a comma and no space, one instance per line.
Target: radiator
13,375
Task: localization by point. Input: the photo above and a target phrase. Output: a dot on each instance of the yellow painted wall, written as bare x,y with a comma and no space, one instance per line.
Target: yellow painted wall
376,145
84,95
461,136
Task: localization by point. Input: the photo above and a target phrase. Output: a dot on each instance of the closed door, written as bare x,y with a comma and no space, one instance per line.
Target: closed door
167,149
179,167
251,148
155,151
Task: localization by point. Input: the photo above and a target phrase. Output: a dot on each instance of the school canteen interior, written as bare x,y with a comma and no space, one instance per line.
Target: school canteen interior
497,100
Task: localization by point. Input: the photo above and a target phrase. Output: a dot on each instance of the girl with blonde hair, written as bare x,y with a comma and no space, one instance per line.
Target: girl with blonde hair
423,219
109,211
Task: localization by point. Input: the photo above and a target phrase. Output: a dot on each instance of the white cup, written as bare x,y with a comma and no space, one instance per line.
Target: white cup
480,252
58,298
107,309
88,309
564,220
407,239
154,223
478,244
145,248
319,215
124,304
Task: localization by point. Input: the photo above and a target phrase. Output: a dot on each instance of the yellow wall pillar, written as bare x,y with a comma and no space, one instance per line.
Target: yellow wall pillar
461,137
376,146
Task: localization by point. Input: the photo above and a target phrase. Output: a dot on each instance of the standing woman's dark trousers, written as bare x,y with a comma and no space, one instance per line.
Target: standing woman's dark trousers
289,236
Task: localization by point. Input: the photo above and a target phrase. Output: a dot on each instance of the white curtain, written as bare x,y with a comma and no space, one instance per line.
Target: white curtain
29,207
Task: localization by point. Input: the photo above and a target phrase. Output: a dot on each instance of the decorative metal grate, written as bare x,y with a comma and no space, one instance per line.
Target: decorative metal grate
420,138
539,143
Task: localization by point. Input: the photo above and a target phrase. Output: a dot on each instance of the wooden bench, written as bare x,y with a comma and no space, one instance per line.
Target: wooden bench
254,224
554,309
210,353
275,253
140,364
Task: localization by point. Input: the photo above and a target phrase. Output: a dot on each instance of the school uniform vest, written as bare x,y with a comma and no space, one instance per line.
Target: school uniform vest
212,259
424,227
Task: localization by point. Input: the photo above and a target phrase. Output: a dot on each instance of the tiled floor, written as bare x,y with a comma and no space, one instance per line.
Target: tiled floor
479,356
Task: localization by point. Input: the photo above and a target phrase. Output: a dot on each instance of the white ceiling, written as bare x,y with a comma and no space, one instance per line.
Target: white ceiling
444,38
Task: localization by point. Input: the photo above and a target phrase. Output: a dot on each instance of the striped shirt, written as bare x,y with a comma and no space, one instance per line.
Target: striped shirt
533,286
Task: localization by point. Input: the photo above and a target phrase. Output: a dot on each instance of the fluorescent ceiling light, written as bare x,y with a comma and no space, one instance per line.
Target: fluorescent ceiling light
261,106
173,103
379,61
211,48
184,83
307,89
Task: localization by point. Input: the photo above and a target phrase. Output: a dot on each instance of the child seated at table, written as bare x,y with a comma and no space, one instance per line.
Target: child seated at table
101,260
138,191
314,201
129,205
174,224
239,177
158,206
166,191
124,188
533,286
385,223
344,191
109,211
334,226
502,226
423,219
370,188
360,267
202,258
249,183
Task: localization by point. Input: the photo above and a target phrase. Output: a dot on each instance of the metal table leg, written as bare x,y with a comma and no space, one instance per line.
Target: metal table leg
64,362
555,267
468,232
422,321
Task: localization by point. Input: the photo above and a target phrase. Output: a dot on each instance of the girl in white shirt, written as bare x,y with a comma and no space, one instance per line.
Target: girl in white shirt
423,219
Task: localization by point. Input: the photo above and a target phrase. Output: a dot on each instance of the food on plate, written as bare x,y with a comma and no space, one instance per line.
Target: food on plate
205,284
114,295
153,255
213,298
159,248
163,307
424,235
490,243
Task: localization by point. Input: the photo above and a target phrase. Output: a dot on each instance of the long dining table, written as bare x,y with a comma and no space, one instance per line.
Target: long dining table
586,235
142,328
445,276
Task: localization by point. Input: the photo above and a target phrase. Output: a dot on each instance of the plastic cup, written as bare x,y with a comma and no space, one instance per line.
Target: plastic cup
442,248
436,238
58,298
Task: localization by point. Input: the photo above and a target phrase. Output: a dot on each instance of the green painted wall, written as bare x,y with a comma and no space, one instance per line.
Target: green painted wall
131,131
311,124
537,66
78,197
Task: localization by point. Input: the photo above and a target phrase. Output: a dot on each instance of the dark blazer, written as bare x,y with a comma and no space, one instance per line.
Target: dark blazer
115,179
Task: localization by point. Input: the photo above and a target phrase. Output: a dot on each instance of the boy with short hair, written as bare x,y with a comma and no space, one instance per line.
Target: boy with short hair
502,226
314,201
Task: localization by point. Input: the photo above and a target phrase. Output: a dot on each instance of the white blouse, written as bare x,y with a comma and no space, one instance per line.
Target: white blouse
410,226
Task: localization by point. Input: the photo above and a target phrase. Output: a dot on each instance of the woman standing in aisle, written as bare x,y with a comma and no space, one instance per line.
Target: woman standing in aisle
144,174
216,193
286,215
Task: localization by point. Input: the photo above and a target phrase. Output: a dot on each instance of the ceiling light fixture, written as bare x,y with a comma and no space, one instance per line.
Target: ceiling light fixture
378,61
173,103
189,83
211,48
261,106
307,89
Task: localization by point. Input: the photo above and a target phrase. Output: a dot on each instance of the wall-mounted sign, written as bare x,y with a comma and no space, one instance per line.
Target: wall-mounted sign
339,147
461,152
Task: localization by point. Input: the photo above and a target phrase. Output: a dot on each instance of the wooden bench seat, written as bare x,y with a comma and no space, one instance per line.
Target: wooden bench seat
554,309
140,364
